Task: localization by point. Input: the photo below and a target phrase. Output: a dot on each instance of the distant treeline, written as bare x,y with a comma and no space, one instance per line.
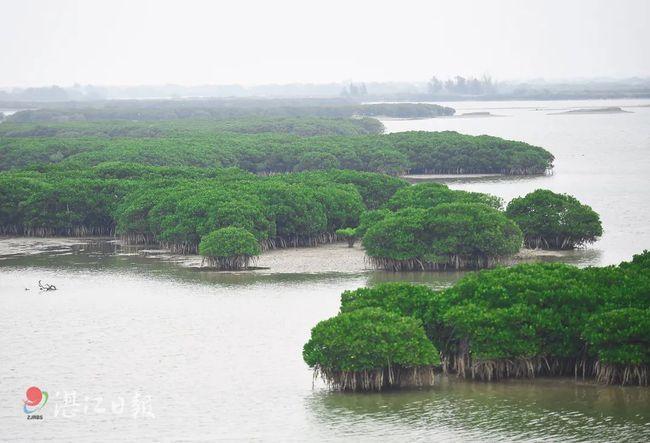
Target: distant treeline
457,87
268,153
303,126
226,109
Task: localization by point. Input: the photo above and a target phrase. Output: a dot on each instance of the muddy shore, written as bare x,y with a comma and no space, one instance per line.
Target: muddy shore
334,257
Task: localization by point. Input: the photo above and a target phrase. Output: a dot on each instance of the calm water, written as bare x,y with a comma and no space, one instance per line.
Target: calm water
602,159
130,348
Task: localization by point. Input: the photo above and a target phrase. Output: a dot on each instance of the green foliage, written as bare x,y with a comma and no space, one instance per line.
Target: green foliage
63,205
292,206
531,319
175,207
375,189
368,339
449,152
302,126
229,242
405,110
210,144
449,235
13,192
521,312
317,160
369,218
620,336
404,299
254,112
497,333
428,195
554,221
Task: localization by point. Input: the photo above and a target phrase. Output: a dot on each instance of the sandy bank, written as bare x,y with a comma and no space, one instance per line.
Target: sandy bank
329,258
606,110
477,114
21,246
336,257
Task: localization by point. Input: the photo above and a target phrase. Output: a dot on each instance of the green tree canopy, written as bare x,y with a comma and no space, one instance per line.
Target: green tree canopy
620,336
554,221
532,319
428,195
229,248
369,349
450,235
264,147
317,160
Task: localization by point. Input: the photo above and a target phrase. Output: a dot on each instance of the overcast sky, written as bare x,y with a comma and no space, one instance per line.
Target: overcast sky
128,42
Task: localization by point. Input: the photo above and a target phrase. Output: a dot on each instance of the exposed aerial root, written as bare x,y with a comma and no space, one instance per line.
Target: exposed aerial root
43,231
235,263
453,262
561,243
499,369
465,366
298,241
137,238
505,171
612,374
377,379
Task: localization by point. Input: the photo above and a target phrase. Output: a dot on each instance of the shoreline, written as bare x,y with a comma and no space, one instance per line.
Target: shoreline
325,258
427,177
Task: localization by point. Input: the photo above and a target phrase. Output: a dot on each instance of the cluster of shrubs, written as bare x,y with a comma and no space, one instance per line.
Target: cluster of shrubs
524,321
431,227
554,221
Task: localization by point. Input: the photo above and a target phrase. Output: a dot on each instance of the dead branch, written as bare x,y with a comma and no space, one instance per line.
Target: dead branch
46,286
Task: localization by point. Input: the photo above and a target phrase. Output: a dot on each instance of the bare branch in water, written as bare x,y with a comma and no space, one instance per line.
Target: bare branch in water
46,286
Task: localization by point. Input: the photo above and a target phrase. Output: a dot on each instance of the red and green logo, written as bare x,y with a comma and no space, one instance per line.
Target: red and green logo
36,399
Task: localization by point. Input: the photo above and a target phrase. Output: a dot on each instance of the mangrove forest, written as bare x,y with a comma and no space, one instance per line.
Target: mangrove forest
265,146
224,109
525,321
175,207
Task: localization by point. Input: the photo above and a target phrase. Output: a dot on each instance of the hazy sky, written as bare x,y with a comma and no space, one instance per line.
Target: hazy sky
275,41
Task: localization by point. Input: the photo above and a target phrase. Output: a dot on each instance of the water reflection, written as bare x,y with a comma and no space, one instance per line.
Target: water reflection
149,324
109,255
544,409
